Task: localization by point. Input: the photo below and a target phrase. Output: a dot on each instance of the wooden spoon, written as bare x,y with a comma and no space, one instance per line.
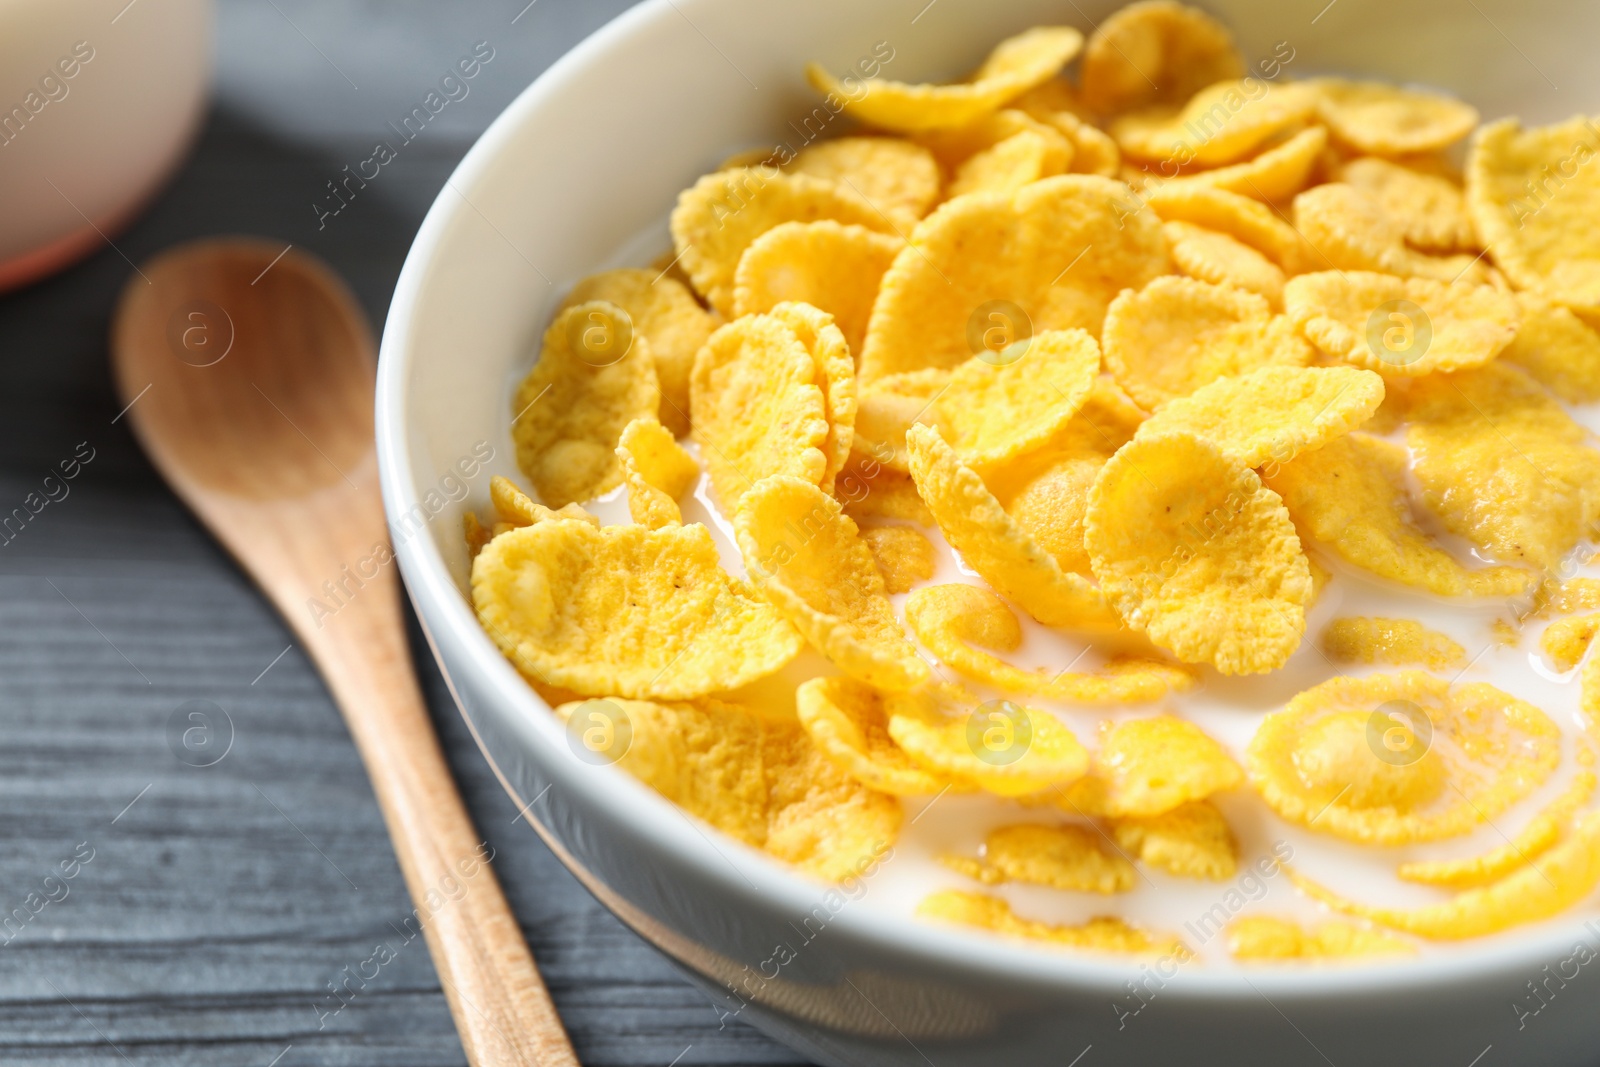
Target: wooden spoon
248,375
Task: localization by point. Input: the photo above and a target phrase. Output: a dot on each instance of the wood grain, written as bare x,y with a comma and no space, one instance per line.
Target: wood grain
249,374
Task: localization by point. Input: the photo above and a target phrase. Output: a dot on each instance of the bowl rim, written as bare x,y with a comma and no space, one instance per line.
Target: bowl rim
738,871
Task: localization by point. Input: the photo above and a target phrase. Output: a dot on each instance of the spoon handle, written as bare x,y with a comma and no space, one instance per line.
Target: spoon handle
501,1006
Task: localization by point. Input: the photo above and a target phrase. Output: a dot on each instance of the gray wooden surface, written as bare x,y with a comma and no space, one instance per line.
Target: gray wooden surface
219,902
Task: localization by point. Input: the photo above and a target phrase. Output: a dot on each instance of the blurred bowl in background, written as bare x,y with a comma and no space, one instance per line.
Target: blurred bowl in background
98,101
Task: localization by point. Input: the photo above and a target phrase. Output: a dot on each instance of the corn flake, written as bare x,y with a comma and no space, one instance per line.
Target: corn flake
818,818
1156,52
1276,174
1021,159
757,408
1071,857
904,557
1385,120
622,610
1153,766
516,508
1401,327
975,524
1430,208
847,722
1397,642
1219,125
993,412
719,216
669,318
1267,937
1532,196
1400,758
807,557
897,177
1559,349
1050,257
1351,495
1016,65
951,619
1272,414
1234,214
1000,747
1191,840
1194,551
835,373
1208,256
657,472
1502,464
1566,640
1176,335
573,405
1050,505
825,264
1348,229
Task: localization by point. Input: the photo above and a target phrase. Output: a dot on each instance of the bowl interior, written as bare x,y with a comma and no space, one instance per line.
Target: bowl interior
581,172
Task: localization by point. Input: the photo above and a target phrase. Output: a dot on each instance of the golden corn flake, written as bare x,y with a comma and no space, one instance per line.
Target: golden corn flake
1276,174
1430,208
1566,640
594,376
951,619
657,471
1021,159
1545,887
998,408
807,557
1347,229
1236,215
1397,642
1051,504
986,270
904,557
1533,196
818,818
1502,464
1213,257
1016,65
1177,334
953,147
1400,758
1559,349
1541,834
1194,551
1191,840
826,264
1000,747
757,407
1100,934
847,722
1574,594
1156,52
897,177
835,373
623,610
516,508
1351,495
1070,856
1385,120
975,525
1153,766
1221,124
1401,327
1093,150
719,216
1267,937
666,314
1272,414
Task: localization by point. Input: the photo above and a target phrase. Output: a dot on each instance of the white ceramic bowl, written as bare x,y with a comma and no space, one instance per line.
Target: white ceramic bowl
98,100
578,175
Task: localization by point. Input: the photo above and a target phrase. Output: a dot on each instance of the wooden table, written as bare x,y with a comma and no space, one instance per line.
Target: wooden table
210,908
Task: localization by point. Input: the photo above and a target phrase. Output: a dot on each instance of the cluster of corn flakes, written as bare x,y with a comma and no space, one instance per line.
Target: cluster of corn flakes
1154,347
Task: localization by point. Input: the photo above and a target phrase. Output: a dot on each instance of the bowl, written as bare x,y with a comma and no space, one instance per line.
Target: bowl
578,175
98,101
